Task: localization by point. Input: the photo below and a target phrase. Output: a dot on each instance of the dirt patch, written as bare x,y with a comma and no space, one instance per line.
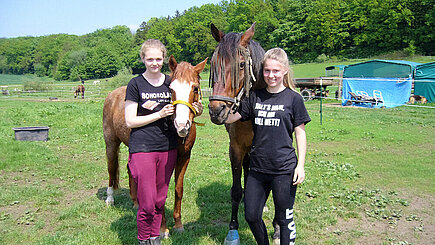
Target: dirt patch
415,226
26,214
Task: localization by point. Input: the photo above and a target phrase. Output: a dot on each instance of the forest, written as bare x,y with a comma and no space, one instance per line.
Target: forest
308,30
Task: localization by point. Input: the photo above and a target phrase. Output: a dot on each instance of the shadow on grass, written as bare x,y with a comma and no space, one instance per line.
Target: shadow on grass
126,226
213,202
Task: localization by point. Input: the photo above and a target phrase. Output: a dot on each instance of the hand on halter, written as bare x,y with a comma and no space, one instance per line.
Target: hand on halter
166,111
198,107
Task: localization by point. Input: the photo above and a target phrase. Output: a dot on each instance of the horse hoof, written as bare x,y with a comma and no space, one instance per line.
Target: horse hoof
232,238
276,241
164,235
276,236
110,202
265,209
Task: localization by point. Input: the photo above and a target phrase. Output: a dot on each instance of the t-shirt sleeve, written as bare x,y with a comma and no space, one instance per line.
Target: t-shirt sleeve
300,113
132,92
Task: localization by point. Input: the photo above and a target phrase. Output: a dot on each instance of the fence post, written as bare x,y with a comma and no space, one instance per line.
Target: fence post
321,95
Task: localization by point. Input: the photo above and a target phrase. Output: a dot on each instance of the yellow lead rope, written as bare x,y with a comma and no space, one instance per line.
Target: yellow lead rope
190,106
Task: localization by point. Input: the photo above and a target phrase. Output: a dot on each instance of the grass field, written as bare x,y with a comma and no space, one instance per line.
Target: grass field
369,179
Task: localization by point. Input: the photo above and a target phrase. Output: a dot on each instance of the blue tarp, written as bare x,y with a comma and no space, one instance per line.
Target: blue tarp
389,81
392,91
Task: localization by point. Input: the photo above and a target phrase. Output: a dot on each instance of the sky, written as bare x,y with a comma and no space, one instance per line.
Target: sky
44,17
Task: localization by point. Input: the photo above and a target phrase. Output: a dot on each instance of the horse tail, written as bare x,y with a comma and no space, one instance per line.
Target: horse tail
112,146
112,153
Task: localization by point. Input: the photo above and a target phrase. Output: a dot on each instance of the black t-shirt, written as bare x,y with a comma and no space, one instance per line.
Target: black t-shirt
273,117
160,135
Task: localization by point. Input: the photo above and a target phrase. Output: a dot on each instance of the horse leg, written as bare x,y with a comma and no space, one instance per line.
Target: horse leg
164,231
112,152
183,160
180,170
236,195
133,189
236,189
276,233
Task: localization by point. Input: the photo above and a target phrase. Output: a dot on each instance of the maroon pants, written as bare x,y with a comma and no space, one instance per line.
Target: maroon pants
151,172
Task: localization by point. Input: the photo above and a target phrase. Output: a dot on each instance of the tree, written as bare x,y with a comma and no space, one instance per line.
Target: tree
69,63
18,54
100,62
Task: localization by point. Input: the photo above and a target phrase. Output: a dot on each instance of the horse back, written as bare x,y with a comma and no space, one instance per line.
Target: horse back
114,126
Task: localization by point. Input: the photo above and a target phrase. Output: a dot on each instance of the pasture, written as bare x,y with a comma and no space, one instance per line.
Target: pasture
369,179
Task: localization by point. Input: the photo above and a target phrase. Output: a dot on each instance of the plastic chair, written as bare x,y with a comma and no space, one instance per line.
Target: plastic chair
378,97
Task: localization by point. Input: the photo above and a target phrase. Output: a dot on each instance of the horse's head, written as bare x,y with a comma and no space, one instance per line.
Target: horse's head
235,68
185,87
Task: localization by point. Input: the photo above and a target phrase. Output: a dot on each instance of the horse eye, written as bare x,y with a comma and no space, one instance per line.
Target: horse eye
242,65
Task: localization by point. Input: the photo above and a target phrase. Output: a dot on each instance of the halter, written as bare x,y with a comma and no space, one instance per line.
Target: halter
249,73
190,106
186,104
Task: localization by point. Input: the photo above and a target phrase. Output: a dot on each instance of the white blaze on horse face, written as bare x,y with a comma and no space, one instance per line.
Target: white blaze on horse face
182,92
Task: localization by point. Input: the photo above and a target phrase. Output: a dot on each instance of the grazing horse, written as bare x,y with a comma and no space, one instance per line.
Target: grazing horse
185,90
235,70
80,90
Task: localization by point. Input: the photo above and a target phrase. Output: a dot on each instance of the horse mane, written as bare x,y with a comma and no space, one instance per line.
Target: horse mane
226,51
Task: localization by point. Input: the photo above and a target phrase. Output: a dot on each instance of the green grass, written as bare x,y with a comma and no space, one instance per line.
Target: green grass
361,164
9,79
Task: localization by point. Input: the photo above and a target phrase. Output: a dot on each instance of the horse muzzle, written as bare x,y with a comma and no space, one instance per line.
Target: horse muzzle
218,112
183,128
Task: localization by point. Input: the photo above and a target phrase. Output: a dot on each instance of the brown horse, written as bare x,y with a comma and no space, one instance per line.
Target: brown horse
80,90
235,70
185,90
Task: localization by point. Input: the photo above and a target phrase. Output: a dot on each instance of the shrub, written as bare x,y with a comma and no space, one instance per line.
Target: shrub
36,86
122,78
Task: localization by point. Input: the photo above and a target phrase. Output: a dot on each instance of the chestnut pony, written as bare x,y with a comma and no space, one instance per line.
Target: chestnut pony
235,70
185,86
80,90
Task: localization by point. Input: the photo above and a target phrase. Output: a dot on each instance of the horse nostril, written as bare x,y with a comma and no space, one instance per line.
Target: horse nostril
222,110
216,111
188,124
183,125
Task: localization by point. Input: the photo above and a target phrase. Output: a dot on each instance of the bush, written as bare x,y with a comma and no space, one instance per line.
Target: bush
322,58
411,49
36,86
122,78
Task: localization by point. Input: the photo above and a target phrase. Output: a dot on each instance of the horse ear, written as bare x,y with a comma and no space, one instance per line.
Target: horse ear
198,68
216,33
172,63
247,36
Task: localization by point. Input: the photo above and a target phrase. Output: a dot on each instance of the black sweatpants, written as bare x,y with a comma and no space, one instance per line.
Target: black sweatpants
257,189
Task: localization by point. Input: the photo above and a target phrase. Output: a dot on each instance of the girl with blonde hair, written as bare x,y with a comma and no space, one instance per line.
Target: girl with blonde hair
276,112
